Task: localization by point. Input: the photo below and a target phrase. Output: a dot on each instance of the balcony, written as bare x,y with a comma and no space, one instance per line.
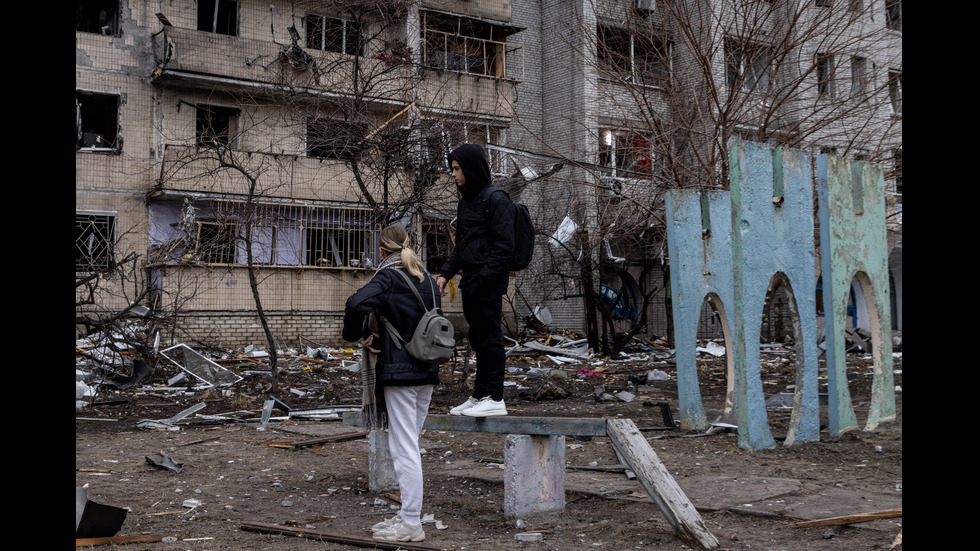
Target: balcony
203,60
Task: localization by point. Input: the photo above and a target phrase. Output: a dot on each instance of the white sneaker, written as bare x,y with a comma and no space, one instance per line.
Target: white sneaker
458,410
401,531
487,407
386,523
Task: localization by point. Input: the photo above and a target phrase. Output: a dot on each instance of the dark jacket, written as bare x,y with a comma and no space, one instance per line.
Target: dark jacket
484,227
388,294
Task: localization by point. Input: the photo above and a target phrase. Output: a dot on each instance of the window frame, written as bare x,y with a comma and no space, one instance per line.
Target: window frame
859,77
346,27
225,15
221,242
104,241
205,117
88,15
895,91
893,15
825,72
616,153
94,122
626,59
283,235
463,45
758,64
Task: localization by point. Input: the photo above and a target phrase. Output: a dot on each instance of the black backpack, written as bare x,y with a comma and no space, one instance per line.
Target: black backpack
523,230
433,340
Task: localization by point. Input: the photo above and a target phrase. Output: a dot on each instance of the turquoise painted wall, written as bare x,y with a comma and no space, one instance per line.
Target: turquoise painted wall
853,241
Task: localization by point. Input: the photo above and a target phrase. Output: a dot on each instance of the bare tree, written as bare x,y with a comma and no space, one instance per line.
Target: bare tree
676,81
343,122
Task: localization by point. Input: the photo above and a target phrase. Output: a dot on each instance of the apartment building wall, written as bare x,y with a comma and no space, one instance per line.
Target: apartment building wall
159,187
553,101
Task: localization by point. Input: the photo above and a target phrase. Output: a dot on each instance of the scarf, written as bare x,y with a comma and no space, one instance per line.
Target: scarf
373,411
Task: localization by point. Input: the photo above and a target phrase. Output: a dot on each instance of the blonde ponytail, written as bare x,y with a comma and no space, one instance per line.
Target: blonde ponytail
395,238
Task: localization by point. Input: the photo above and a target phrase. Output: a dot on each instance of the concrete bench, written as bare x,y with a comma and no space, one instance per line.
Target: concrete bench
534,455
534,464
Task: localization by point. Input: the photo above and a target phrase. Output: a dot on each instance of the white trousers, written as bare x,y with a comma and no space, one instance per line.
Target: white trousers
407,407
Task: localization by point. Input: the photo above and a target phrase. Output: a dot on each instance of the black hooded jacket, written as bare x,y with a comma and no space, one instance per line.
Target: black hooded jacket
484,227
388,294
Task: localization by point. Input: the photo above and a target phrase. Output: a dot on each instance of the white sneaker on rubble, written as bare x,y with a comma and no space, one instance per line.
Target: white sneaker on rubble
458,410
401,531
486,407
384,524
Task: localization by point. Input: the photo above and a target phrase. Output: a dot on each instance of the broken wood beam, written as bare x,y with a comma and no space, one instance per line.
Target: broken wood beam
334,438
850,519
266,528
85,542
662,488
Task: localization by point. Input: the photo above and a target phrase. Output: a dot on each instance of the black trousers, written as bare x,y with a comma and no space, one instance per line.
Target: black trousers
483,312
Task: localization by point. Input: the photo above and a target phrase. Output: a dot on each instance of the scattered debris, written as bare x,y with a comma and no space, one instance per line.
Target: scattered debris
850,519
170,424
165,462
94,520
321,535
199,366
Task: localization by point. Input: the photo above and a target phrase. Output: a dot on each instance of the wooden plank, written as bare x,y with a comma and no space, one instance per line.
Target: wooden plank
850,519
666,494
321,535
85,542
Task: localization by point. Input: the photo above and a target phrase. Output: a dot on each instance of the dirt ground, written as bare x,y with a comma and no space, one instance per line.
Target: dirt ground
236,472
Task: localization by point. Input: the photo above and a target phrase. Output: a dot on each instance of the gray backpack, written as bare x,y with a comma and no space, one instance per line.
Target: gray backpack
433,341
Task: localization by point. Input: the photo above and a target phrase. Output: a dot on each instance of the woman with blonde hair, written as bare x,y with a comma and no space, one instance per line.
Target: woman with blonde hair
397,387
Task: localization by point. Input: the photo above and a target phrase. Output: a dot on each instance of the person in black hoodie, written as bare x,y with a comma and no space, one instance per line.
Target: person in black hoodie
397,387
484,246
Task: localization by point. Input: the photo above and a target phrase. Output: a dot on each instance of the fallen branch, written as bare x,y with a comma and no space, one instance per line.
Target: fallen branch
850,519
84,542
320,535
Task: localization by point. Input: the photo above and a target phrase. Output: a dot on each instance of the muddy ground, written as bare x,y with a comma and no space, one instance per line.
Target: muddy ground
235,473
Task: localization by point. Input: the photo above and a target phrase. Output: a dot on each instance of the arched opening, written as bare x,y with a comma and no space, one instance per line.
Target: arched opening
861,358
781,357
716,365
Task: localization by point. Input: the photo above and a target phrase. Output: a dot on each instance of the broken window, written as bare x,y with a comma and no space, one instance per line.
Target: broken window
644,59
334,35
438,245
334,138
629,154
96,121
893,14
464,45
216,126
95,237
97,16
282,234
895,91
217,241
748,66
825,76
450,134
336,237
859,77
218,16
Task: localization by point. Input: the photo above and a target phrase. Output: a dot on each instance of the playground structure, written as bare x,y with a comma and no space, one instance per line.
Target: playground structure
731,247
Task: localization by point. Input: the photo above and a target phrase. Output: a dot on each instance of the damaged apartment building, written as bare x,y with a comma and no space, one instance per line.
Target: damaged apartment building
243,153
